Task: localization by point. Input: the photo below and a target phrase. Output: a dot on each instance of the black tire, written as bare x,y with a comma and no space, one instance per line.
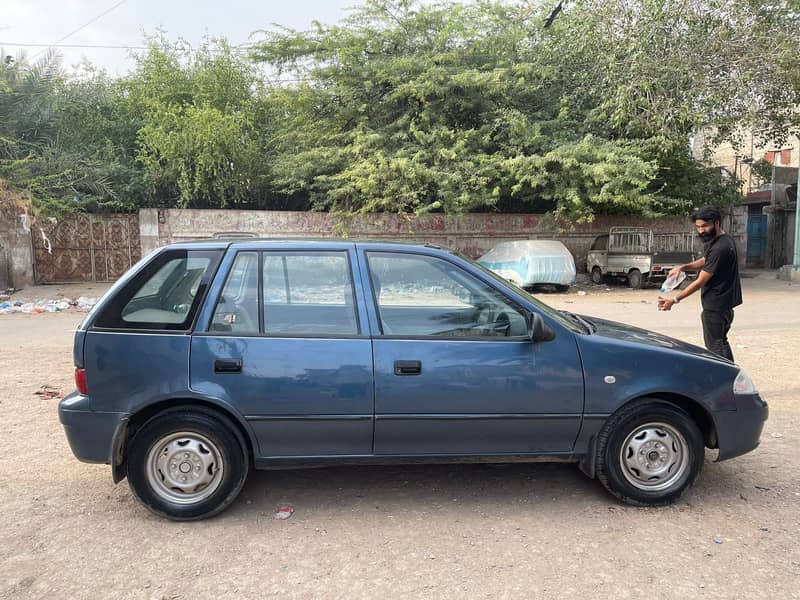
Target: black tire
656,475
635,279
200,448
597,275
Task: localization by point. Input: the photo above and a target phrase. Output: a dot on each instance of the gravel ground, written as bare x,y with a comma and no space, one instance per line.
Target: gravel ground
474,531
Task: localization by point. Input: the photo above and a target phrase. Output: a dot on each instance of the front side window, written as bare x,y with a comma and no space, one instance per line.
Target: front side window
601,243
164,295
420,295
308,293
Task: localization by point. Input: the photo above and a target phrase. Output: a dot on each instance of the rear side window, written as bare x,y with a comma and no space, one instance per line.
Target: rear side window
165,295
308,293
287,293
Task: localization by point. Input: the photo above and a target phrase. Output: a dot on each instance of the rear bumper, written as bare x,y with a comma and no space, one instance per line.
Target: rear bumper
90,434
739,431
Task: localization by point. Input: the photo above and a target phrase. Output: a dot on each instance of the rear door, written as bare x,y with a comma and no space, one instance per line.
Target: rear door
282,339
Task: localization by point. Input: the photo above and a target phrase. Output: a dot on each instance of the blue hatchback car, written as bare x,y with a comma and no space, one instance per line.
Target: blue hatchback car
211,358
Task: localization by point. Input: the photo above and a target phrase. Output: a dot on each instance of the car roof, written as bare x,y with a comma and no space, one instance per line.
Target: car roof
222,243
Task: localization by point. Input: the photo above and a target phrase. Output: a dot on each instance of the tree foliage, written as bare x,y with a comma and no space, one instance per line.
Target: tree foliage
474,107
415,107
200,141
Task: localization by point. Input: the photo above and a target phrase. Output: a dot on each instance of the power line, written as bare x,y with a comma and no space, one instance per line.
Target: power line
239,48
90,46
84,26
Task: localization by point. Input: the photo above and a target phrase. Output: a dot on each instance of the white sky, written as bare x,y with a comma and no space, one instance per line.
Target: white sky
47,21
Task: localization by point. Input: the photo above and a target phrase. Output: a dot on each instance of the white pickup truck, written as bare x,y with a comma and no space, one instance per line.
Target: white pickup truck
639,255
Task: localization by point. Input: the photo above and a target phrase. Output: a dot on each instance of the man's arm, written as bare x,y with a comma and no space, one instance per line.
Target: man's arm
702,278
692,266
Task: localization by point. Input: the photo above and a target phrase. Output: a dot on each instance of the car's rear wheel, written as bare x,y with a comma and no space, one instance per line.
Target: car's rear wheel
597,275
186,464
649,453
635,279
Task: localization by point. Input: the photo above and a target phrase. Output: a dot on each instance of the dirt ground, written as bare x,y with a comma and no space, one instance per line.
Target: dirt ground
473,531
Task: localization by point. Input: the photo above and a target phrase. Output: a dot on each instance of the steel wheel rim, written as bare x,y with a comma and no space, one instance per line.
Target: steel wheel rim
654,456
184,468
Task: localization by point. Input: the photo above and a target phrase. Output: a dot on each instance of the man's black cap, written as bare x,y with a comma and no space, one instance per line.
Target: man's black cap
707,213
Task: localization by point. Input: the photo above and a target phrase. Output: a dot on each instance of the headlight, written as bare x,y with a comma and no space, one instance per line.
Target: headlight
744,385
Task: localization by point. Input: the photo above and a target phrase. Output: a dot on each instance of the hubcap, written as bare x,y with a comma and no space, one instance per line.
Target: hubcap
184,468
654,456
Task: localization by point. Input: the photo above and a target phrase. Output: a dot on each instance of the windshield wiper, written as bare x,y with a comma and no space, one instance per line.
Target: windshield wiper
579,320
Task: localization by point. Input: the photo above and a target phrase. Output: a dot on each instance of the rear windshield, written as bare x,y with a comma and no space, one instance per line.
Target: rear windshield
165,295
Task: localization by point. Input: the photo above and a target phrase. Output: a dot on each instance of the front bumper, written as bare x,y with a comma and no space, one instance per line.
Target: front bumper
739,431
91,435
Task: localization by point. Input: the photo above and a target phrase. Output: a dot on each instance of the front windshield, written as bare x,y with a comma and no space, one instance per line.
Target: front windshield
544,308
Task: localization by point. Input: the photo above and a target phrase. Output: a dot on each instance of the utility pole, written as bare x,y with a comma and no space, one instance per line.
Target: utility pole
797,225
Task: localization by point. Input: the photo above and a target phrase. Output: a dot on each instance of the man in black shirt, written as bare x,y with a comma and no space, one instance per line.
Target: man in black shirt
721,289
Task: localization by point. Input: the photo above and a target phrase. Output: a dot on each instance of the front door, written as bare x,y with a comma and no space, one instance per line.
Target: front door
284,347
455,373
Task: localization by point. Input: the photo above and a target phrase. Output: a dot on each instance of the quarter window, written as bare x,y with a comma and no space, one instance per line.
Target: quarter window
165,294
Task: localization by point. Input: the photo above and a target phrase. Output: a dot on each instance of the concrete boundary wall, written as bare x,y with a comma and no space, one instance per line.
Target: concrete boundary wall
472,234
16,250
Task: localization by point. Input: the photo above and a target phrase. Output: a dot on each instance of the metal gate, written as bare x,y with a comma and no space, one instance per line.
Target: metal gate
85,248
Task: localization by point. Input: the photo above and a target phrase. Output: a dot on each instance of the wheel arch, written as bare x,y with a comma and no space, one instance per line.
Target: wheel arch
138,419
699,414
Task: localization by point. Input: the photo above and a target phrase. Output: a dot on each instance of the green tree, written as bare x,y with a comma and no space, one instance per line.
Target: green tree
31,126
420,108
471,107
200,135
28,121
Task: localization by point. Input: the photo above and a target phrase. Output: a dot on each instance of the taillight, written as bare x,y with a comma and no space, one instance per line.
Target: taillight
80,381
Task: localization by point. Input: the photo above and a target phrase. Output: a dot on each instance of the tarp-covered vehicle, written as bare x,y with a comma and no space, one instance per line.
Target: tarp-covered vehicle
529,263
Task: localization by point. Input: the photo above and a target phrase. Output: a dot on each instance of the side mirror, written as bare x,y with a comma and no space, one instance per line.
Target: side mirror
538,330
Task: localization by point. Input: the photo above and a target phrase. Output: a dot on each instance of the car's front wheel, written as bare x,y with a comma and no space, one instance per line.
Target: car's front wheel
649,453
187,464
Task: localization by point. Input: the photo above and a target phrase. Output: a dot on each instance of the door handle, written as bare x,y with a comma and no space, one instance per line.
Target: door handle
228,365
407,367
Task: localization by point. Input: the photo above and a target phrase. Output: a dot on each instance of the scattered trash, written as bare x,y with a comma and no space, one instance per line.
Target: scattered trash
763,528
741,346
718,540
581,293
761,487
48,392
83,304
284,512
777,435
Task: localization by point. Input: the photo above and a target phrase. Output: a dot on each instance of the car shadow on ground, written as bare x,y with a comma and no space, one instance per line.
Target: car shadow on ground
409,487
